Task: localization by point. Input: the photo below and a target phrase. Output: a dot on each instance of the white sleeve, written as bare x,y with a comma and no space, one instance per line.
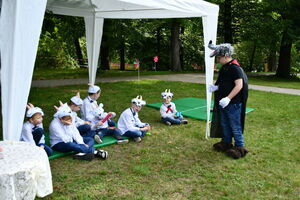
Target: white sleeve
174,110
78,121
76,135
129,124
58,132
26,135
163,110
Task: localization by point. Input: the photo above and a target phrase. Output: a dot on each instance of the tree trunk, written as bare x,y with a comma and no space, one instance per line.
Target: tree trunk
104,56
272,57
122,48
158,40
78,52
122,55
284,63
228,37
175,45
252,57
181,48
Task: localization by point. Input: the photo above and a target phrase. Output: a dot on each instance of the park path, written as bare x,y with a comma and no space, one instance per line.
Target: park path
190,78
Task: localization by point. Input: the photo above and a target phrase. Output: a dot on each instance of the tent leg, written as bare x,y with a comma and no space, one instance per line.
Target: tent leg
93,30
20,29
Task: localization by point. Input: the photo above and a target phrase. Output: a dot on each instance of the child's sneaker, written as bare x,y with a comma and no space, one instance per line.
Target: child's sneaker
168,123
98,139
84,156
102,154
137,139
184,121
125,141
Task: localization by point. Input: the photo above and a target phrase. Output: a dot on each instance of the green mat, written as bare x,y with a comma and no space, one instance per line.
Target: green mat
191,107
107,140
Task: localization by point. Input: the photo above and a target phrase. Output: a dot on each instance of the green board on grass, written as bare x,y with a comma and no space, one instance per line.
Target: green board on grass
107,140
191,107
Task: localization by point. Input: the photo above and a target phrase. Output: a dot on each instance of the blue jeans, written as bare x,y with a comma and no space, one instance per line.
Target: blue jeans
172,120
77,148
48,150
85,131
231,124
111,123
116,133
37,135
134,134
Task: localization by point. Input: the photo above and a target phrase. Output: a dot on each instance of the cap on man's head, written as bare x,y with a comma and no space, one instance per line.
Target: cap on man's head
224,49
93,89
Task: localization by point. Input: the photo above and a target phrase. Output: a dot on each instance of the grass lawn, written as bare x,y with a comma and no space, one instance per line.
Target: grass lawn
177,162
293,82
43,74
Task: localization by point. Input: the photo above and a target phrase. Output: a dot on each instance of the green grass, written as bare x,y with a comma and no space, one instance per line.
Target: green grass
293,82
177,162
44,74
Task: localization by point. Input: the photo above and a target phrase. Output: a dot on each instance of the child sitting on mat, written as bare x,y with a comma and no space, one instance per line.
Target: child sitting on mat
102,127
65,137
129,122
169,114
32,131
84,127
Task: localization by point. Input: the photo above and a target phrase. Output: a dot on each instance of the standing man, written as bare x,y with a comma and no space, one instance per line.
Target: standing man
231,93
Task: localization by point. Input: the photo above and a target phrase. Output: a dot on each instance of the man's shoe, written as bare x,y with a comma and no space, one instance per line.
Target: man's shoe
184,121
222,146
84,156
234,153
98,139
125,141
102,154
168,123
242,150
137,139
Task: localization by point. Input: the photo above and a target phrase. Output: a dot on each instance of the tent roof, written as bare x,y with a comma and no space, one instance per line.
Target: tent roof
133,8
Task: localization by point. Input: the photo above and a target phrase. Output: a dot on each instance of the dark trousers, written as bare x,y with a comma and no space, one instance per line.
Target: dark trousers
37,135
77,148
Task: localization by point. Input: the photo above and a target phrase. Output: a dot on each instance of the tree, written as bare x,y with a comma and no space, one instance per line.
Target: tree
175,45
289,11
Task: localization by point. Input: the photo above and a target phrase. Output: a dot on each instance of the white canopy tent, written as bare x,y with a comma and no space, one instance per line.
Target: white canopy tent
20,27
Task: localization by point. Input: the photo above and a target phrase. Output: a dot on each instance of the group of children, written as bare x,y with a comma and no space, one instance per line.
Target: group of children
69,133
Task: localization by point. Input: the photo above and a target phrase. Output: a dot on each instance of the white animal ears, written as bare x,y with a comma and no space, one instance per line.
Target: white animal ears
167,93
93,88
63,110
138,101
99,110
77,100
224,49
33,110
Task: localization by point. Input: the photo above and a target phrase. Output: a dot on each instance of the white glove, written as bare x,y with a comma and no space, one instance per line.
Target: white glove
213,88
224,102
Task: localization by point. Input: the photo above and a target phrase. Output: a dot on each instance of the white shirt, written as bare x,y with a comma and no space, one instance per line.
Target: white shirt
63,133
26,134
98,119
164,112
76,120
129,121
87,108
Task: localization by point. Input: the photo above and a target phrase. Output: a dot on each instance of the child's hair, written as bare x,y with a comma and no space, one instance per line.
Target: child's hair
94,93
66,117
70,103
